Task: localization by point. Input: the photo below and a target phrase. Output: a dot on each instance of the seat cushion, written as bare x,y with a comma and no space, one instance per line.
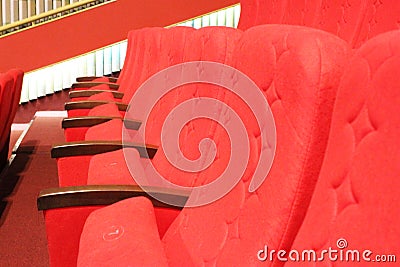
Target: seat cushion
110,130
78,134
109,110
73,171
120,235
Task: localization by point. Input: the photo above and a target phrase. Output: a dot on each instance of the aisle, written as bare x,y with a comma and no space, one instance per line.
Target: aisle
22,232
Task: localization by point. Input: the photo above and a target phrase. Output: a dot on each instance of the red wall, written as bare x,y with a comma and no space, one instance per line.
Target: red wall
101,26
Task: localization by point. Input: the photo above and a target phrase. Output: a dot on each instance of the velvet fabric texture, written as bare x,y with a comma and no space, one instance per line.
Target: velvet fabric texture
299,78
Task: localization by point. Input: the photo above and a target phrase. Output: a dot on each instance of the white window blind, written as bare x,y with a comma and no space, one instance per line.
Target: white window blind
104,61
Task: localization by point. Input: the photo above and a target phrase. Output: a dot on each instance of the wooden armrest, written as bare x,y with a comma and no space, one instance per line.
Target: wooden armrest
87,93
89,195
113,79
90,121
88,104
91,84
91,78
82,148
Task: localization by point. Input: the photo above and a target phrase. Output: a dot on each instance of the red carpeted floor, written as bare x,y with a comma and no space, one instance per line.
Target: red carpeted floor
22,231
15,135
55,101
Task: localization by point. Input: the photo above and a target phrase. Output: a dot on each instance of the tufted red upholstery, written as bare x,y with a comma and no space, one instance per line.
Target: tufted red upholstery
355,21
144,64
75,168
147,59
358,21
357,195
122,79
298,71
211,43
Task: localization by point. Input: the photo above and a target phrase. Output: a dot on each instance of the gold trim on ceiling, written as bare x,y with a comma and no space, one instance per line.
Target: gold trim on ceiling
51,16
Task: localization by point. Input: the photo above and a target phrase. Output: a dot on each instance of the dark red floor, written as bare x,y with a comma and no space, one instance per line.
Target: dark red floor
55,101
22,231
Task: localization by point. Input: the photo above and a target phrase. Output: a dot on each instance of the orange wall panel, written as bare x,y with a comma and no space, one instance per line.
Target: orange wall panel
83,32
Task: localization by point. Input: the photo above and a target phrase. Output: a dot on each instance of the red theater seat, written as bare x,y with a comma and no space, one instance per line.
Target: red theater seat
354,21
76,130
10,96
152,49
353,207
17,77
357,195
223,233
103,91
131,59
211,44
6,84
299,79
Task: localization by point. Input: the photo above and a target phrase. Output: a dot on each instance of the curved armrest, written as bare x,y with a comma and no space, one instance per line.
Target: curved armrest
91,78
90,121
87,93
91,104
89,195
91,84
82,148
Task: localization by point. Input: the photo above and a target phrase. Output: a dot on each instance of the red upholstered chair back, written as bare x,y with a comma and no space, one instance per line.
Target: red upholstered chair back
18,76
248,14
354,21
157,49
357,195
129,61
209,44
136,50
215,44
7,92
298,71
129,57
160,48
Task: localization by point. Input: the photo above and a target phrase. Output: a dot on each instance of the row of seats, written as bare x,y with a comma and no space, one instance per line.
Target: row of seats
304,74
10,92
